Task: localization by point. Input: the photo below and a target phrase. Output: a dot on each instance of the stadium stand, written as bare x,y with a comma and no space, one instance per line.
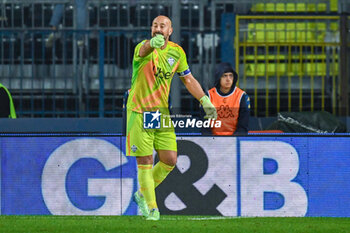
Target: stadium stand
287,53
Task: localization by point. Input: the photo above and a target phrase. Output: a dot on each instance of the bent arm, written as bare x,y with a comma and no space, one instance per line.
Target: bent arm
193,86
145,49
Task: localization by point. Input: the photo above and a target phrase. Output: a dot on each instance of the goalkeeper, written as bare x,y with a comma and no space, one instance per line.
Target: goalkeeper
155,62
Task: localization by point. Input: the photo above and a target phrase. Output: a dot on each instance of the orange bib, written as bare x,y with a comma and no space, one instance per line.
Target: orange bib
228,110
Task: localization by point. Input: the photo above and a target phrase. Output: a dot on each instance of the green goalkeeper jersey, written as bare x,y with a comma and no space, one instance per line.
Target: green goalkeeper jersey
152,75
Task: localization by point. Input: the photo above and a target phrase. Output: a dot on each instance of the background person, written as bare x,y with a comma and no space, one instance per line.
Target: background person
7,108
231,102
81,20
155,62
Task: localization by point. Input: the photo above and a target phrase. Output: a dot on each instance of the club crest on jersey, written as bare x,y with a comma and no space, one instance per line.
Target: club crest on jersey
134,148
171,61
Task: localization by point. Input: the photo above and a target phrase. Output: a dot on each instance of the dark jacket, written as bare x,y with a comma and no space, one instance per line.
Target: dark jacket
244,108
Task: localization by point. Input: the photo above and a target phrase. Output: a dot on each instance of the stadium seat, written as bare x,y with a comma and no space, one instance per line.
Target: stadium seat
282,7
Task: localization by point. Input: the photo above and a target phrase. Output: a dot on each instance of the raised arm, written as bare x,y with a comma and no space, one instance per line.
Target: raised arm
148,47
145,49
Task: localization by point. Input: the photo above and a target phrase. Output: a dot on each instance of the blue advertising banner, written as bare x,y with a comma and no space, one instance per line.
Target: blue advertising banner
321,168
66,176
230,176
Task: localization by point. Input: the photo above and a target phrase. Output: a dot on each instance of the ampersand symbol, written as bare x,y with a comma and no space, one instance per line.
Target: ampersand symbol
182,185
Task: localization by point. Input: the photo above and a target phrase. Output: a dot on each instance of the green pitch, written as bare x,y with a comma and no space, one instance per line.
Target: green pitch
176,224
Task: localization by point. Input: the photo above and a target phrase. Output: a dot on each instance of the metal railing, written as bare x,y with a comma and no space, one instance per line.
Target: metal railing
66,80
289,63
71,81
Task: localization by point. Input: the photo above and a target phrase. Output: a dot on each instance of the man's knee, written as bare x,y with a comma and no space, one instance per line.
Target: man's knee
168,157
144,159
173,160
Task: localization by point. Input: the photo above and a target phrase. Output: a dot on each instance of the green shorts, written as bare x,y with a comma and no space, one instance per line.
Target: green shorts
141,142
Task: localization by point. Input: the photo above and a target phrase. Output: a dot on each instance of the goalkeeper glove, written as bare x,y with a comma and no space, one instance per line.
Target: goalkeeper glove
157,41
209,108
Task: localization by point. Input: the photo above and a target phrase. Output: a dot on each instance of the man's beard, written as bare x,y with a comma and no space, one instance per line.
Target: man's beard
154,34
